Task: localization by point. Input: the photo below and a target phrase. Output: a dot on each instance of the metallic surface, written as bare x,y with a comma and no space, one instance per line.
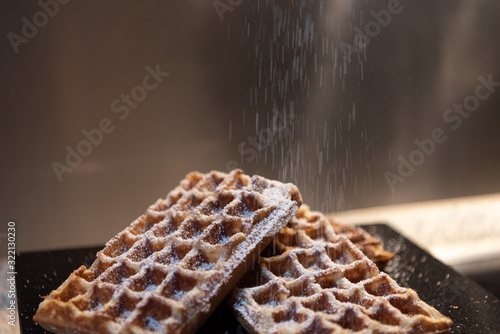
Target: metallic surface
345,136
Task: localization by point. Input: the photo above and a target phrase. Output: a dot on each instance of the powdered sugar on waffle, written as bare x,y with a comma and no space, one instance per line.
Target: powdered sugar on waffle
170,268
320,282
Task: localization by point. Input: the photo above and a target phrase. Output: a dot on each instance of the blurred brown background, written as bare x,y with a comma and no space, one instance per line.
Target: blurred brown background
352,116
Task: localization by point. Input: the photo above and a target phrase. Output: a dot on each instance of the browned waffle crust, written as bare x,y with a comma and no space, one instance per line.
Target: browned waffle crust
317,281
170,268
368,244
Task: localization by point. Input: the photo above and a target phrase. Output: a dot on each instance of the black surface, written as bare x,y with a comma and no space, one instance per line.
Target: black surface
472,309
488,280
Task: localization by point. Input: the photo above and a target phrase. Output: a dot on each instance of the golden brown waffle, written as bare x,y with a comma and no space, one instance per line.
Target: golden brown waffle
368,244
316,281
170,268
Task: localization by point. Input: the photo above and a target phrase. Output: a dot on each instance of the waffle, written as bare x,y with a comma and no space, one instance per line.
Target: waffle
368,244
170,268
313,280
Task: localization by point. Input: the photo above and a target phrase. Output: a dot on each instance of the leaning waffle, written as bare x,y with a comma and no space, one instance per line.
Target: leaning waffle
316,281
170,268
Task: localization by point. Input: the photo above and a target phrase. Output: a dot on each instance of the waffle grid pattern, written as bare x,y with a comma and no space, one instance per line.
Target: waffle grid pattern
304,219
368,244
317,281
162,273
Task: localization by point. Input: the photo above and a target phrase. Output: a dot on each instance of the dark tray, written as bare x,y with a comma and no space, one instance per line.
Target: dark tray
472,309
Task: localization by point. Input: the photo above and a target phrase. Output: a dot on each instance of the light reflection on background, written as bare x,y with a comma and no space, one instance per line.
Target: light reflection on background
65,78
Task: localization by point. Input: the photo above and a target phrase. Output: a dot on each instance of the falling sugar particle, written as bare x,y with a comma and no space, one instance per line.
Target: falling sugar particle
293,57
